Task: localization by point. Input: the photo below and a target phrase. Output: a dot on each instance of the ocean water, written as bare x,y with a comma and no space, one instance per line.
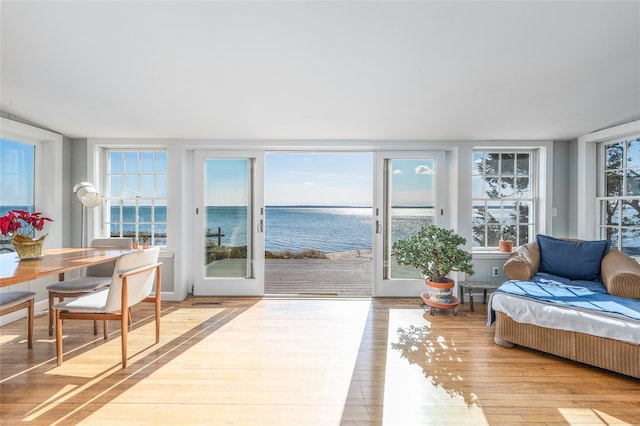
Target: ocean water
326,229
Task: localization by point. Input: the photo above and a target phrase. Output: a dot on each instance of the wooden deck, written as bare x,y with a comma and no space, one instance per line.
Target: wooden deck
351,277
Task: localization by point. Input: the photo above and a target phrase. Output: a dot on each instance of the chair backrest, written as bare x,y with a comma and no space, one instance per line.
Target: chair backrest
140,285
106,269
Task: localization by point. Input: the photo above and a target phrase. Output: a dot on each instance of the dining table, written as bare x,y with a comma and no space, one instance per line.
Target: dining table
14,270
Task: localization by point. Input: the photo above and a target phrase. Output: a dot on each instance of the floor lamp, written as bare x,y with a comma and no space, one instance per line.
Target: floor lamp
89,197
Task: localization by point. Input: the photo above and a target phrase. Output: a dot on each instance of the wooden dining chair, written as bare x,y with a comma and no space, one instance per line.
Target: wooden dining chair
133,279
11,301
95,278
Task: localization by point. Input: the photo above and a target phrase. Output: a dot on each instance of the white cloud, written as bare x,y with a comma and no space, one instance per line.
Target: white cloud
423,170
397,172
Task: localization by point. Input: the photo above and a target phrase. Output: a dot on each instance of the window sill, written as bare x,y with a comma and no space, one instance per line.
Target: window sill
490,254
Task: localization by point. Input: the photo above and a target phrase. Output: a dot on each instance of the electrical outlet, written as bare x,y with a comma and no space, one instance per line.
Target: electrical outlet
495,271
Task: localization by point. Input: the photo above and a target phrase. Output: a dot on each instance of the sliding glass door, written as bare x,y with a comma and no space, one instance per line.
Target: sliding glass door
230,224
410,192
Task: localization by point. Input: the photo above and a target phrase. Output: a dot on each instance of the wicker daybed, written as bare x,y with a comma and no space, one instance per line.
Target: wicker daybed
620,275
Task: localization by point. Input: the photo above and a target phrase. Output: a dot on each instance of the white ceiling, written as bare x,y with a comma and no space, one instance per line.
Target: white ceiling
322,70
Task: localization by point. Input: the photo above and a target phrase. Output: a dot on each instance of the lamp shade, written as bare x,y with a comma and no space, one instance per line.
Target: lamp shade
87,194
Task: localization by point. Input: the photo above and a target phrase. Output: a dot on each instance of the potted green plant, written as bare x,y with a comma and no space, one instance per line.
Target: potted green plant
435,252
144,237
506,239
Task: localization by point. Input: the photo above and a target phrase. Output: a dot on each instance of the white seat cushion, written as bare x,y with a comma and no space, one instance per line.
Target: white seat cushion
80,285
9,299
92,302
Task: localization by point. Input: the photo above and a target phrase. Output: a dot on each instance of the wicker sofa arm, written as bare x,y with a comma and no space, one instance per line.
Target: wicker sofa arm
523,263
621,274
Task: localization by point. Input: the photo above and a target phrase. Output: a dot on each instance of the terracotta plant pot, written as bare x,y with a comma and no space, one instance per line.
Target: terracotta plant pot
440,292
506,246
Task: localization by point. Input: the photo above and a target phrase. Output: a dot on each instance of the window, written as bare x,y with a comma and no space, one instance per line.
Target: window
619,194
137,195
17,177
503,197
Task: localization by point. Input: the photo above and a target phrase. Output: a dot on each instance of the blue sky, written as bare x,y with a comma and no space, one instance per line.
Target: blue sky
413,182
322,179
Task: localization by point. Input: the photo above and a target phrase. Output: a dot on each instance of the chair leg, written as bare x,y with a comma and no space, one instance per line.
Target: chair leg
58,337
95,327
123,324
30,322
130,319
51,314
157,317
105,329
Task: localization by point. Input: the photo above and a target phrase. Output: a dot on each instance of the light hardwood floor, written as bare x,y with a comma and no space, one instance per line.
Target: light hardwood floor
301,361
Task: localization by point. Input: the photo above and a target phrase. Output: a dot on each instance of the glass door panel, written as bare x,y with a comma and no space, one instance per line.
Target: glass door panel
231,242
409,195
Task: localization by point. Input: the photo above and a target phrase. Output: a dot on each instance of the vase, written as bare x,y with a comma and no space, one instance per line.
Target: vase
26,247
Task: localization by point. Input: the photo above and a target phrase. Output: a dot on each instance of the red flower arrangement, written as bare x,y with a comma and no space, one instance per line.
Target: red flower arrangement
13,221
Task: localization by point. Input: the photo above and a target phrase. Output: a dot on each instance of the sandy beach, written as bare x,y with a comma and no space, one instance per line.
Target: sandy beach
350,254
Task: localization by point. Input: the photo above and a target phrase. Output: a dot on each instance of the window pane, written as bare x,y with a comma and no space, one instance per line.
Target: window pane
131,162
477,163
630,213
523,234
492,164
17,180
16,175
631,241
131,186
509,213
493,235
614,183
115,162
161,186
523,164
114,211
479,237
114,230
144,212
492,187
524,212
478,187
633,182
523,187
613,234
611,214
147,186
507,189
494,212
115,186
508,167
633,153
613,156
161,162
146,163
479,215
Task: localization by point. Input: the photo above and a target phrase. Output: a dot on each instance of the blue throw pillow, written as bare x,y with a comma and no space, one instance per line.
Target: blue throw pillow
576,260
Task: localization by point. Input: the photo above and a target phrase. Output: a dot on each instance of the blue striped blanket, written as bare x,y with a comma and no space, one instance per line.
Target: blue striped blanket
572,296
